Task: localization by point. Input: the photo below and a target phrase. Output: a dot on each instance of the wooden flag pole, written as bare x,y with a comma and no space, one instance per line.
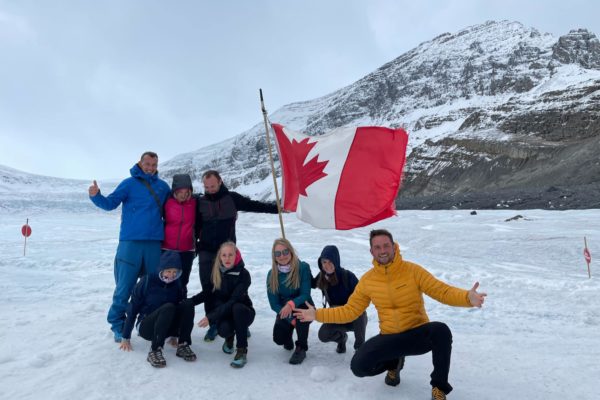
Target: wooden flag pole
264,111
586,252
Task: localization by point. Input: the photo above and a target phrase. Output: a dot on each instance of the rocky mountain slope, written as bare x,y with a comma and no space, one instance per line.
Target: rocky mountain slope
499,115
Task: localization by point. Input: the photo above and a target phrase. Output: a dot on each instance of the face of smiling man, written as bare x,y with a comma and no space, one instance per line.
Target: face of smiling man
382,249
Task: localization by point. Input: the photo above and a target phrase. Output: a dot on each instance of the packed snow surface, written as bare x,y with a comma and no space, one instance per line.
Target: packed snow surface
537,336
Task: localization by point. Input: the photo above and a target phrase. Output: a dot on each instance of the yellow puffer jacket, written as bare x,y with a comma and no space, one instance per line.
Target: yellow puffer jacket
396,290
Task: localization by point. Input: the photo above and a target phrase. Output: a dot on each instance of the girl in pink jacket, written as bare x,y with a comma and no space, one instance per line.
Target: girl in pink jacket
180,216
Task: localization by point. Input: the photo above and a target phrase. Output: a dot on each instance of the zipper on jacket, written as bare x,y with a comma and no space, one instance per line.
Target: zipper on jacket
391,295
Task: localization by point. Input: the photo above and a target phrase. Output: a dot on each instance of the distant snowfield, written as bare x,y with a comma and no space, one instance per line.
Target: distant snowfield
538,335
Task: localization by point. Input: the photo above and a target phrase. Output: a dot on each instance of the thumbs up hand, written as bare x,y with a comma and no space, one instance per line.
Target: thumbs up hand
94,189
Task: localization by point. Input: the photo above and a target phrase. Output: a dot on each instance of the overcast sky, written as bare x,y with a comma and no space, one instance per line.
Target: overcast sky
87,86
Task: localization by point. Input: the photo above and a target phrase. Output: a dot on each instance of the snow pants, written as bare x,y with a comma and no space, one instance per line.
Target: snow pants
134,258
168,320
382,352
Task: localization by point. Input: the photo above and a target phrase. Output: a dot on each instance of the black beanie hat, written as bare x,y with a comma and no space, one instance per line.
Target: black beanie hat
181,181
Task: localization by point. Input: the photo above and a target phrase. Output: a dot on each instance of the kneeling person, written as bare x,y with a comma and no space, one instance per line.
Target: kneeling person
232,311
158,302
337,284
396,288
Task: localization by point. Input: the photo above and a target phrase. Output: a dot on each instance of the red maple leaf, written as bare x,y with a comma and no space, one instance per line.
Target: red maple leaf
297,174
311,171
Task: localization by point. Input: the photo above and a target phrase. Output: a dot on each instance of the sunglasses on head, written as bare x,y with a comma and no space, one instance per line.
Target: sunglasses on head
284,252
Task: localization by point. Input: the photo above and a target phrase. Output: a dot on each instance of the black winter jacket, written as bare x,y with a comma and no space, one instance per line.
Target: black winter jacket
216,216
234,289
336,295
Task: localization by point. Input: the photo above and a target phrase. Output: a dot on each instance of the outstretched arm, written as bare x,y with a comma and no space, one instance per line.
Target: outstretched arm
243,203
475,297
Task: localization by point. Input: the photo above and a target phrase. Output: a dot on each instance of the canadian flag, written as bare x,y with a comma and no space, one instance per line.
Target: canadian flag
344,179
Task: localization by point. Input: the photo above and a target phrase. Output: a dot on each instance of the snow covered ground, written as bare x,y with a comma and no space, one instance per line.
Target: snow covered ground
538,335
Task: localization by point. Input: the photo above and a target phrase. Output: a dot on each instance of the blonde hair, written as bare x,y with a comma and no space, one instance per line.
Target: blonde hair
216,269
293,278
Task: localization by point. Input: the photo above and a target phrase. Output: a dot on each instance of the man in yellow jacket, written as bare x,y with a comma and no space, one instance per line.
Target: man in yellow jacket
396,288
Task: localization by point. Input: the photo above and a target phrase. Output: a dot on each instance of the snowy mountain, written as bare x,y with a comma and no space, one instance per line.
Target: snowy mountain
21,190
498,114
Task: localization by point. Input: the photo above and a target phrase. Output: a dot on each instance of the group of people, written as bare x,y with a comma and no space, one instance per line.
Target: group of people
163,229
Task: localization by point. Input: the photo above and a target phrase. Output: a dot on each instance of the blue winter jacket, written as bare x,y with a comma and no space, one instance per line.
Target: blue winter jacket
347,281
285,294
151,292
141,215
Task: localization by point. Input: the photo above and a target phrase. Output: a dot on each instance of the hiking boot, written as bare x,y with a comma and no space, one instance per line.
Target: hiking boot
392,378
156,359
185,351
289,345
437,394
341,347
211,334
228,345
298,356
240,358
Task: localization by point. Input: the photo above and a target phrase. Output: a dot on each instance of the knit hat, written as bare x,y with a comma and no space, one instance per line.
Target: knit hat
181,181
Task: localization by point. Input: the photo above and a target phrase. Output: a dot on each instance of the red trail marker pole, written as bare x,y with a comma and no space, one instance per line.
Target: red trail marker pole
26,232
587,256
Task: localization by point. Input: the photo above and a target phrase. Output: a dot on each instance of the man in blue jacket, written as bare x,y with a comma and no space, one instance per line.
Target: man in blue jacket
143,196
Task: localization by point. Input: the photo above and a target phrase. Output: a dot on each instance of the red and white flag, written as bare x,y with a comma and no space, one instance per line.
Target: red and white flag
345,179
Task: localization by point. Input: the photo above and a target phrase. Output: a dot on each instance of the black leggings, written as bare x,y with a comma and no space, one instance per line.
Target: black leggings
283,331
168,320
382,352
237,324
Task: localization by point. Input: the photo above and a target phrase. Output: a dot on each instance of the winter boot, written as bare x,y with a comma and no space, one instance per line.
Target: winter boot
156,359
298,356
240,358
392,377
185,351
211,333
437,394
228,345
341,347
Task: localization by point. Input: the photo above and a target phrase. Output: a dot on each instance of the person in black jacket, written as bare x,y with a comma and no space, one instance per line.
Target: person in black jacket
337,284
158,304
232,311
215,224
